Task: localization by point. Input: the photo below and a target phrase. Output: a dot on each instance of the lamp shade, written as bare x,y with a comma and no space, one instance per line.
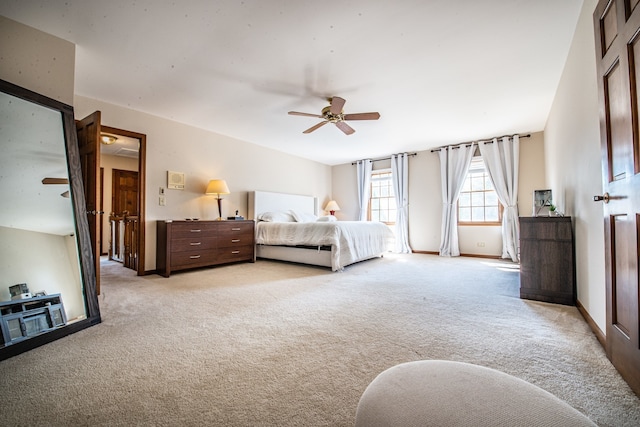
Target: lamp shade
332,206
217,186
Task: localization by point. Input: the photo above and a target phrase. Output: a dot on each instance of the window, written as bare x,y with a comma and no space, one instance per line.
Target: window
382,202
478,203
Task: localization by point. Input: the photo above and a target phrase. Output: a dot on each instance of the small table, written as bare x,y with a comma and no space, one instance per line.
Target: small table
24,318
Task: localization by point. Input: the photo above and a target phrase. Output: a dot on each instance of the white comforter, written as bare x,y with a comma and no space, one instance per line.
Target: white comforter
351,241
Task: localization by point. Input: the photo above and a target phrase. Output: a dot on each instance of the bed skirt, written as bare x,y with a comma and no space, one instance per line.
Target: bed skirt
301,254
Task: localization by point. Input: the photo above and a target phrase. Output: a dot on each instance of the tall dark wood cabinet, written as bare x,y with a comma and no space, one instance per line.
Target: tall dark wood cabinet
547,262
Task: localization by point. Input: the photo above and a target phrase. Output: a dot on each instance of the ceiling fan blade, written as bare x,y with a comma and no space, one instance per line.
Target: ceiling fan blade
296,113
336,105
345,128
311,129
362,116
47,181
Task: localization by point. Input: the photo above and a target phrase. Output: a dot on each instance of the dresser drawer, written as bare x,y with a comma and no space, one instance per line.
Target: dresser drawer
193,243
238,253
237,240
230,228
182,230
188,259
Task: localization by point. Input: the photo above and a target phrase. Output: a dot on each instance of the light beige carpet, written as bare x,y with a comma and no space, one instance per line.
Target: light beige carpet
276,344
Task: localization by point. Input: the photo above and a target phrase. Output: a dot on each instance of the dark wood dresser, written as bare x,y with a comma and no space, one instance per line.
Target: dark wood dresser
191,244
547,263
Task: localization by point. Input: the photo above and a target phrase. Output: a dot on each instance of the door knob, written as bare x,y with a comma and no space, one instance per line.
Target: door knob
604,198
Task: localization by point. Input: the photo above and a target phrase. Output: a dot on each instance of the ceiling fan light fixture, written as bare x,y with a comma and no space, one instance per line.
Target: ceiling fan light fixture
331,117
108,139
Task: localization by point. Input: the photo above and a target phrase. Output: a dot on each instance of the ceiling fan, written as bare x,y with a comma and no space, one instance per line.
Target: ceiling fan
49,181
333,114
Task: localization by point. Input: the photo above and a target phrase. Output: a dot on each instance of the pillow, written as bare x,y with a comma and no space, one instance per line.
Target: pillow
276,217
327,218
303,217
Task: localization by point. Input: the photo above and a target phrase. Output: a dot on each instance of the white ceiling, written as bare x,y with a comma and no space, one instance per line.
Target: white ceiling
438,71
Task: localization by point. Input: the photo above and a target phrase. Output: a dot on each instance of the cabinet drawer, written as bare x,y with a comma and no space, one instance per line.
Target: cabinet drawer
188,259
540,228
234,227
191,229
236,240
192,244
238,253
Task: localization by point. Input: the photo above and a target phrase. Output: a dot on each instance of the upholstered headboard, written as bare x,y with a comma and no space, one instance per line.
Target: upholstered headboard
265,201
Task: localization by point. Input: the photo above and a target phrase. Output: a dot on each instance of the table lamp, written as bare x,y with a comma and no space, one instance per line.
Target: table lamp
218,187
332,207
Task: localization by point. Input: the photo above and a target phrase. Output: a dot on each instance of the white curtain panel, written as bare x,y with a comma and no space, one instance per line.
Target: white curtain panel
454,165
400,179
501,159
364,186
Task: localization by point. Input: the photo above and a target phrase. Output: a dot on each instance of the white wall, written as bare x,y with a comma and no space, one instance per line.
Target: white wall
572,148
425,199
202,155
37,61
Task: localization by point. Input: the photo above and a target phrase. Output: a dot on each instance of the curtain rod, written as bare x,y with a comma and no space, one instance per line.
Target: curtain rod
468,143
385,158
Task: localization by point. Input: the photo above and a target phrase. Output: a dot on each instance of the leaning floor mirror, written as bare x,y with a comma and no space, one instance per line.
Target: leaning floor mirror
47,275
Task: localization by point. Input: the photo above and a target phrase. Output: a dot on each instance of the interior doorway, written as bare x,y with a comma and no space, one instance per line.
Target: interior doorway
123,217
122,195
92,137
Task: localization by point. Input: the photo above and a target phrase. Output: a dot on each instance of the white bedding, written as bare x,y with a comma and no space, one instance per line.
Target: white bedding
351,241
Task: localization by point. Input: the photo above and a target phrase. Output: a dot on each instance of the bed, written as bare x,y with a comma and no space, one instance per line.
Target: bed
288,228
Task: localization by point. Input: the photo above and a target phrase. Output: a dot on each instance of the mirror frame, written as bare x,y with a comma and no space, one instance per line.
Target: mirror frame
83,240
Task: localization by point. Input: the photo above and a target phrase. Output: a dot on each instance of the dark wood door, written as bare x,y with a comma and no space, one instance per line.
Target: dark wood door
125,192
89,145
617,23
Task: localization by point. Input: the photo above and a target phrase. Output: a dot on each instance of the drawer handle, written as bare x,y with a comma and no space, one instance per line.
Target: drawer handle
195,243
194,256
235,229
196,231
235,240
235,252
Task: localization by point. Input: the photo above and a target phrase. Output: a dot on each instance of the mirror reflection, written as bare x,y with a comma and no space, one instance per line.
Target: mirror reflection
40,280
